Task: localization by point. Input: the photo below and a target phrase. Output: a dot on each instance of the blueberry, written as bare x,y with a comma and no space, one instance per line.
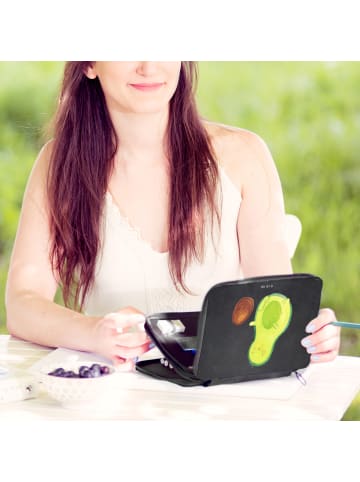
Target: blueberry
105,370
69,374
58,372
95,370
83,369
88,374
84,372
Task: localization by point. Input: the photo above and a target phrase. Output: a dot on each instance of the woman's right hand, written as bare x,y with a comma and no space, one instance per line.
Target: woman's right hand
120,337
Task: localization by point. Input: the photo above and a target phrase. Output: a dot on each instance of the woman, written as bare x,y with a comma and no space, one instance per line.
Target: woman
137,206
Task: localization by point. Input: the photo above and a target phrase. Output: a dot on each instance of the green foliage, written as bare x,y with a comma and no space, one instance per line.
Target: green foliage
309,115
28,93
307,112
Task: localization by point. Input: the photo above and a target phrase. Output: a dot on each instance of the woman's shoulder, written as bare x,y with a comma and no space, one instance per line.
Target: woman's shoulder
231,139
46,151
41,163
240,152
36,185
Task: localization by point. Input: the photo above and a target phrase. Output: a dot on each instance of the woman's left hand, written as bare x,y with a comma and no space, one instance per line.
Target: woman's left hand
323,343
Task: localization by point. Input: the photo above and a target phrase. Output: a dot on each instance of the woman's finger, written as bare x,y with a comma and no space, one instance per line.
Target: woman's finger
133,352
327,332
123,365
331,344
324,357
325,316
125,320
131,340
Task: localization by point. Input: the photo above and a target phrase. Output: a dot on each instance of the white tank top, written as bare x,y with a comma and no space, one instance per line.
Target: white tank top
129,272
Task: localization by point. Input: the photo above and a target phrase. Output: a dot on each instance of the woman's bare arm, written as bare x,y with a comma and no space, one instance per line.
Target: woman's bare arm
262,229
262,221
31,286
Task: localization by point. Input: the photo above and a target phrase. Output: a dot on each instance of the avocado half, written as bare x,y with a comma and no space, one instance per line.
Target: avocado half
272,318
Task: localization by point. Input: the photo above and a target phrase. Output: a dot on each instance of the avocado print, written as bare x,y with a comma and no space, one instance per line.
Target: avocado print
272,318
243,309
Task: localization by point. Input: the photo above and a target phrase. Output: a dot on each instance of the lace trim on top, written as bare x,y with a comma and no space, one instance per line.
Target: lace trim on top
132,230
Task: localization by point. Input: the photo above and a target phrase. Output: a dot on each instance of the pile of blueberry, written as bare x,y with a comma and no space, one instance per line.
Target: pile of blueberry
94,371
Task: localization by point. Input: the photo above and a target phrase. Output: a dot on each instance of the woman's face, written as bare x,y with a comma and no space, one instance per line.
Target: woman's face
136,87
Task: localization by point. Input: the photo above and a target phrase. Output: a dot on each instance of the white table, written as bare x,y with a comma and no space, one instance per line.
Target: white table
329,390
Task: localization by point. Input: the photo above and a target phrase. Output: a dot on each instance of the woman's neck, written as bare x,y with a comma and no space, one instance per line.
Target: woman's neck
141,139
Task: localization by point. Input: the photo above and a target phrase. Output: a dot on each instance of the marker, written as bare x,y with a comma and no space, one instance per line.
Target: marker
345,324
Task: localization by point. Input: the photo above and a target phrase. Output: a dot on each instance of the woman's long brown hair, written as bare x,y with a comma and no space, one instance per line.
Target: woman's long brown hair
81,163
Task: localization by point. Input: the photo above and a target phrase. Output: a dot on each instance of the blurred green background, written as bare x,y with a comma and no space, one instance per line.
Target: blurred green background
307,112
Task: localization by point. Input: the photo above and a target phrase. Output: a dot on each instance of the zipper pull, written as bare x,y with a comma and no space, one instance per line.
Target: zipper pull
300,378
